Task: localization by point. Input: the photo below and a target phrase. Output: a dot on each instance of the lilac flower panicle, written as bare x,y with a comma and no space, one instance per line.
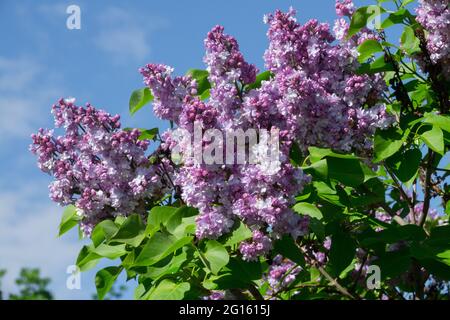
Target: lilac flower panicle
97,167
434,16
168,92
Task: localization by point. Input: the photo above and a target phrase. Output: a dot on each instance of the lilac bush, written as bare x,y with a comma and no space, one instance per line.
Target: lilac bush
357,129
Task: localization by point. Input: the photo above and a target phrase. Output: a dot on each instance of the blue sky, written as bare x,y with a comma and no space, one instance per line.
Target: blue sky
41,61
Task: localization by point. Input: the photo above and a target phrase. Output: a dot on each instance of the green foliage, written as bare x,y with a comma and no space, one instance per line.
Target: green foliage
104,280
362,17
138,99
31,286
69,219
347,193
201,76
368,48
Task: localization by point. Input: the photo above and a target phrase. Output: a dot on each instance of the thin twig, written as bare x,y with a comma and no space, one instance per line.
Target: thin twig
427,191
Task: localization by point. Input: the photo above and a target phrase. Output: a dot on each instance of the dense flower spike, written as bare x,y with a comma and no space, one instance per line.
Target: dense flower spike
97,167
434,16
168,93
316,88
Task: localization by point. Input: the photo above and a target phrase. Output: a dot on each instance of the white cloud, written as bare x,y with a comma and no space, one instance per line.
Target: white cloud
16,74
24,91
125,35
124,44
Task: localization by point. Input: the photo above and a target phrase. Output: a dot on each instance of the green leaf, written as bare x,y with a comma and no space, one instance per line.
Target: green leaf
69,219
393,264
342,251
318,169
104,280
308,209
405,165
148,134
350,172
168,290
182,221
397,17
139,98
239,234
216,255
406,2
328,194
408,232
109,251
201,76
362,17
387,142
287,248
434,139
368,48
442,121
317,154
437,268
444,257
379,65
104,230
158,216
245,271
264,76
410,43
295,155
159,246
131,231
87,259
155,272
205,95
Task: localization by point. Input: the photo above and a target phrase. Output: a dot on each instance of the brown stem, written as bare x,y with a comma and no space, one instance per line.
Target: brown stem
330,279
336,284
427,192
403,193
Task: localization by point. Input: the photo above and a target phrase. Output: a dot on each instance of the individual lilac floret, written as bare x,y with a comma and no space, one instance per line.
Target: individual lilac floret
97,167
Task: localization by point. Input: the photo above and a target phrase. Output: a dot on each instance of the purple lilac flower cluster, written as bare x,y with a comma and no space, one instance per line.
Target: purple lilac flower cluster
315,86
224,193
314,98
97,167
434,16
